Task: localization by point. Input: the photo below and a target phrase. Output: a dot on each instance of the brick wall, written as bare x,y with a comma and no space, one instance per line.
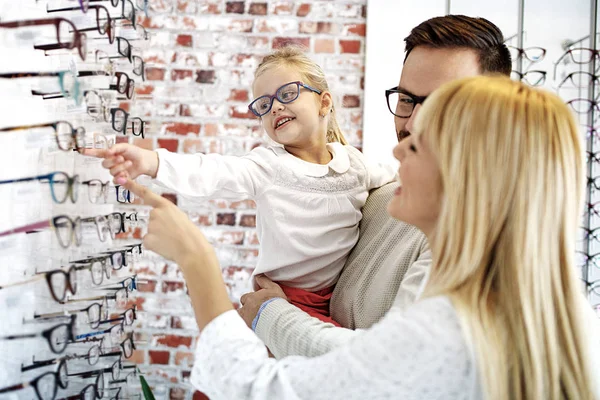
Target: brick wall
200,65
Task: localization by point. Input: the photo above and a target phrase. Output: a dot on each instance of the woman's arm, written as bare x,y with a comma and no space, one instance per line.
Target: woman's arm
417,354
172,235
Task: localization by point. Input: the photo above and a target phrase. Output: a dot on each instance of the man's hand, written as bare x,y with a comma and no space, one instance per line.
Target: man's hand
252,301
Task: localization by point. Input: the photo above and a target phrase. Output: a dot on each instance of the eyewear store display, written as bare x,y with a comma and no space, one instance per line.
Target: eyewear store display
75,339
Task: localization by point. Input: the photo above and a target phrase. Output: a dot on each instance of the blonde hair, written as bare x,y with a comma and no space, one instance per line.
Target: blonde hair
512,168
313,75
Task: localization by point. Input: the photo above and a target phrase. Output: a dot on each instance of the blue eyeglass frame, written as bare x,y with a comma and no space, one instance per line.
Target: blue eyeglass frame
72,184
276,96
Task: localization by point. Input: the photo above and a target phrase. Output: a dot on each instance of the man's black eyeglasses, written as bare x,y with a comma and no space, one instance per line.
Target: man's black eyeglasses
402,104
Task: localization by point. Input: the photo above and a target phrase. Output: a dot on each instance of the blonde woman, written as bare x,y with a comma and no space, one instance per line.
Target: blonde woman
494,176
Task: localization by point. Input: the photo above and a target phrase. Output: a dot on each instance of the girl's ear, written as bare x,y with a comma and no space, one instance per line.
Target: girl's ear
326,103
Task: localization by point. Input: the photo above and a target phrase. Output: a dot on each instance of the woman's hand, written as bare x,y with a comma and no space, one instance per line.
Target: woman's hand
126,161
170,232
172,235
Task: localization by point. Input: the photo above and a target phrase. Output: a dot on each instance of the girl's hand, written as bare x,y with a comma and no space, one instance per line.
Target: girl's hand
126,161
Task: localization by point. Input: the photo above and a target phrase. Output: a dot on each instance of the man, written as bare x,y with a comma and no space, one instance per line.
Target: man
391,260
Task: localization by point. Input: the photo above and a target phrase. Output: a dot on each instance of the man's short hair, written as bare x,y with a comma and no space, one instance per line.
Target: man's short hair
460,31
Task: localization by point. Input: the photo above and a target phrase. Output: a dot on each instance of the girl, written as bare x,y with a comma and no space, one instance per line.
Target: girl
309,189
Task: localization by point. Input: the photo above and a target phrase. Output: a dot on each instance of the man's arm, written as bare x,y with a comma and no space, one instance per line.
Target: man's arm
287,330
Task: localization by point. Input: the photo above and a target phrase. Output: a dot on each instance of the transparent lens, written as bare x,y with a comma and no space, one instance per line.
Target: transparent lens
66,34
64,230
63,376
89,393
94,355
96,272
46,386
58,281
73,280
117,260
58,338
64,134
93,315
59,184
94,190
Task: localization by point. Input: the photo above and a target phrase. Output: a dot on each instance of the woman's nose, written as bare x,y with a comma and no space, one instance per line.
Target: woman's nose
400,149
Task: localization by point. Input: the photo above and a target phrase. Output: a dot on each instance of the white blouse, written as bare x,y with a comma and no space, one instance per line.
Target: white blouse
415,354
307,214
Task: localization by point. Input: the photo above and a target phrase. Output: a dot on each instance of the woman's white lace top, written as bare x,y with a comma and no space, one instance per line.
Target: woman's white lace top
419,353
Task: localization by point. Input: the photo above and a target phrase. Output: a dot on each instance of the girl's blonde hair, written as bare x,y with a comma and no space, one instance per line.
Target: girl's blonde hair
512,167
313,75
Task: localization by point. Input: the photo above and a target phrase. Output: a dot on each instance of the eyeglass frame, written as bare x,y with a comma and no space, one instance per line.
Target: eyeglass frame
34,383
77,134
51,223
396,90
47,334
271,98
72,184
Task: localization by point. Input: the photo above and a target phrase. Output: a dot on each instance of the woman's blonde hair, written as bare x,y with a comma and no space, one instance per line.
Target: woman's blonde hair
313,75
512,168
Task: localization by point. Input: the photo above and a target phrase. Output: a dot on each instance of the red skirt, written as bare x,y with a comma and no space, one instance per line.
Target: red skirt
316,304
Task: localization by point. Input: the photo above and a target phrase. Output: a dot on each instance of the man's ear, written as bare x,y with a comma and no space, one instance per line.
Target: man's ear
326,103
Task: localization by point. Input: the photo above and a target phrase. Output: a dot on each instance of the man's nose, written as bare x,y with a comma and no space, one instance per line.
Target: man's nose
411,120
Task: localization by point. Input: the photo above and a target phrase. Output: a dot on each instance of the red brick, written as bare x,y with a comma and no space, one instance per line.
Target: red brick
211,130
355,30
168,287
159,357
350,46
238,95
182,129
243,205
283,8
148,287
351,101
210,7
169,144
174,341
248,220
184,359
205,220
184,40
144,90
138,357
324,46
155,74
303,10
205,76
284,41
226,219
258,9
177,394
241,112
234,7
186,6
121,139
172,197
200,396
192,146
318,27
144,143
181,74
